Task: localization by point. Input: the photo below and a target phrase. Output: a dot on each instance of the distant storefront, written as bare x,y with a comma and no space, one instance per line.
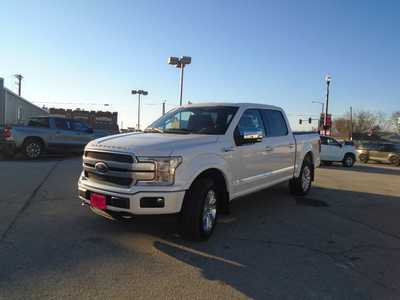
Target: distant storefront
15,109
98,120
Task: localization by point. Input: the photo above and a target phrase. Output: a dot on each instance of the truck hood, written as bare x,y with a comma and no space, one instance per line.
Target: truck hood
151,144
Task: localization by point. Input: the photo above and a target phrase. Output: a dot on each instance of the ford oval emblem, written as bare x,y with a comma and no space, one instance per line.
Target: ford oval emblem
101,167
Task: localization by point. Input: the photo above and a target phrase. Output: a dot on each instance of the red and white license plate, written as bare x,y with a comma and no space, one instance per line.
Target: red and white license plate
98,201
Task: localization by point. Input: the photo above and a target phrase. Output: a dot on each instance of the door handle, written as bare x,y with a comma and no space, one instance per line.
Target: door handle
269,149
291,145
228,149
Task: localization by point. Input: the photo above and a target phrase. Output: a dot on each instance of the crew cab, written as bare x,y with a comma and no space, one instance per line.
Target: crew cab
334,151
41,134
193,161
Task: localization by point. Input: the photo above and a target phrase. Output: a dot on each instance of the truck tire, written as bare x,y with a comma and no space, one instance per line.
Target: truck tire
32,148
200,210
348,160
301,185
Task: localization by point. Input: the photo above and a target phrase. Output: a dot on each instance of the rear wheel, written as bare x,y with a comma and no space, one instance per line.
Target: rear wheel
348,161
32,148
395,160
200,210
301,185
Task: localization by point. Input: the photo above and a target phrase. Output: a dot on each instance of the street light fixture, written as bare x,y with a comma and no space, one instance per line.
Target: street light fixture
139,92
180,63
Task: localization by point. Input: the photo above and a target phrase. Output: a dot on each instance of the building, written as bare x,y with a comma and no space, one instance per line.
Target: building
98,120
15,109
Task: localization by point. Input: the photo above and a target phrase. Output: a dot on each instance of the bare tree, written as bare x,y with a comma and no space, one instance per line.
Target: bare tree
341,127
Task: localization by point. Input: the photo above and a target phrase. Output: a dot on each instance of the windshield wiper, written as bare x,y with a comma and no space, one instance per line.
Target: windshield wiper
177,130
153,130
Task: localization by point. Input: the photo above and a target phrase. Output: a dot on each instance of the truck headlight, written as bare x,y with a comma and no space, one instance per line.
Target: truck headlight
164,172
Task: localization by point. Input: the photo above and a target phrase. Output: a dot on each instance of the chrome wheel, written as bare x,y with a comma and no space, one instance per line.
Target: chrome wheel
306,178
209,211
33,150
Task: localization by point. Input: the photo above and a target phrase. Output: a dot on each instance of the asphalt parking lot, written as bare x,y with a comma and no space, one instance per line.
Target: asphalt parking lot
341,241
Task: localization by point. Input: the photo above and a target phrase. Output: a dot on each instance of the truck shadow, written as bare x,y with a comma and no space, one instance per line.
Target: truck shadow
265,246
364,168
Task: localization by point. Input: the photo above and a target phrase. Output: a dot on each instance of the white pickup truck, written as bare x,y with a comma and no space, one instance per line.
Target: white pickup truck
193,161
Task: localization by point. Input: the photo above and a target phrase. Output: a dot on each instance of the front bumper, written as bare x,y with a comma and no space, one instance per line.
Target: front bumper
133,203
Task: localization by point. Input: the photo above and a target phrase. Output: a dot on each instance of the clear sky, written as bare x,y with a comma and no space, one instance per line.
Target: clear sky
274,52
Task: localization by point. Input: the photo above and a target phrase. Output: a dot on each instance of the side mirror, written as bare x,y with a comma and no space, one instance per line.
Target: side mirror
252,137
248,137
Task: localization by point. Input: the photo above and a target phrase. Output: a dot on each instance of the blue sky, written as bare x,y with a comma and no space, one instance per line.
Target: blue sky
274,52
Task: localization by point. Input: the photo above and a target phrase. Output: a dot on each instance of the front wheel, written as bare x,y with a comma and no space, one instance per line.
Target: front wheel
364,158
301,185
199,211
348,161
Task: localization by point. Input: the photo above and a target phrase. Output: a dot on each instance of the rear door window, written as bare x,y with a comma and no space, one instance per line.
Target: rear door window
39,122
274,122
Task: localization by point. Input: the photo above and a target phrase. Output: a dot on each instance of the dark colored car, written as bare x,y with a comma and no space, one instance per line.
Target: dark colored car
382,152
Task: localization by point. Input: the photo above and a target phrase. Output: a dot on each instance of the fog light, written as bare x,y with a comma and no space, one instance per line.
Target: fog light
148,202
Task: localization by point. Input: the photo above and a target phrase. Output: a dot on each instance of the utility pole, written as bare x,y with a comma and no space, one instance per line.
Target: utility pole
328,82
19,78
139,92
351,123
163,107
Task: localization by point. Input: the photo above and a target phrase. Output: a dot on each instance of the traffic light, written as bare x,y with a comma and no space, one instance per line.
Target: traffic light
309,120
300,121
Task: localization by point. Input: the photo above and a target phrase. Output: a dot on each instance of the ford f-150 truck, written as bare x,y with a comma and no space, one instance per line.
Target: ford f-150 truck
41,134
193,161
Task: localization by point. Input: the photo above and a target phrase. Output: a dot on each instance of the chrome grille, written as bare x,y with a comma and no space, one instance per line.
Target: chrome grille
116,169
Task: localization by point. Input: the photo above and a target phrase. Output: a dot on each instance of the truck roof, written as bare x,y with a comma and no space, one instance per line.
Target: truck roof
241,105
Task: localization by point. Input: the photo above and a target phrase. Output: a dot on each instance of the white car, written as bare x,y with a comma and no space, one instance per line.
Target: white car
334,151
193,161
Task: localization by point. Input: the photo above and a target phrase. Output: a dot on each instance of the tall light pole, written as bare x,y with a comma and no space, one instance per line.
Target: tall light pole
180,63
328,80
322,104
19,78
139,92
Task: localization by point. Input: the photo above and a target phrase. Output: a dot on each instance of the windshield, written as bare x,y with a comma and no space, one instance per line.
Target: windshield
198,120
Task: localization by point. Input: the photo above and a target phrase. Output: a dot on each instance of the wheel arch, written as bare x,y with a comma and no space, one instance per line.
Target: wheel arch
221,180
310,156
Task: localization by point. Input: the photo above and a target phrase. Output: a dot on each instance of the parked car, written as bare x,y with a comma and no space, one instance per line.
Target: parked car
382,152
193,161
334,151
41,134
